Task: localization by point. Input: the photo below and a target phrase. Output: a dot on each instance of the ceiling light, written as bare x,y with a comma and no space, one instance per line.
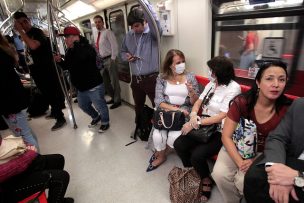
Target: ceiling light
78,9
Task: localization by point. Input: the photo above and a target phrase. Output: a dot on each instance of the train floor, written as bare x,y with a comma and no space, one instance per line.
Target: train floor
102,169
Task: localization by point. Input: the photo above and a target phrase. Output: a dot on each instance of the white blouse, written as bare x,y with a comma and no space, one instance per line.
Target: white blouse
219,102
177,93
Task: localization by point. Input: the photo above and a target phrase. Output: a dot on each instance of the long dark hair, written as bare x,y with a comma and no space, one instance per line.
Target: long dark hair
251,95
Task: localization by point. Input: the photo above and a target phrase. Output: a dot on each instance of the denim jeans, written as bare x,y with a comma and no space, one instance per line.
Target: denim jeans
94,96
20,127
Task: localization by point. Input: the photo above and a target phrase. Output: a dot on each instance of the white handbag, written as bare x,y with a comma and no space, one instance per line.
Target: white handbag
11,147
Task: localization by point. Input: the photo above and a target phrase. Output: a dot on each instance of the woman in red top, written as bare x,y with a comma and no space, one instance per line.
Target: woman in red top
264,104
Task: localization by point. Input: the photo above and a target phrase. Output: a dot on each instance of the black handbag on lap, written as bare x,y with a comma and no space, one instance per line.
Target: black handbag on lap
168,120
204,133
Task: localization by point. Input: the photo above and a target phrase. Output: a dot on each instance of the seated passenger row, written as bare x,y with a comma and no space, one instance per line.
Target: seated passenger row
264,105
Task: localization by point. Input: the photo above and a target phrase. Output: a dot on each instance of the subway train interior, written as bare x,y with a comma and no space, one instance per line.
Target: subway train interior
102,168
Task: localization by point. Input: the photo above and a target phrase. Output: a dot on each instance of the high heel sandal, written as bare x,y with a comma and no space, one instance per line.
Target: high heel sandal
205,191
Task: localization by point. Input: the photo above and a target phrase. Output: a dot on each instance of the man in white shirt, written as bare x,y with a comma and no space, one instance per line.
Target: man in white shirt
106,44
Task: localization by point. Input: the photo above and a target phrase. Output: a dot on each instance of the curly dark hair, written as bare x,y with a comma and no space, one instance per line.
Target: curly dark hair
222,67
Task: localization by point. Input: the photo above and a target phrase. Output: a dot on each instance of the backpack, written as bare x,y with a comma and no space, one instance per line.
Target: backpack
144,124
38,103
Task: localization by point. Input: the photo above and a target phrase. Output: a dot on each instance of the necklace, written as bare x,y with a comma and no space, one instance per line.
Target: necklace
177,82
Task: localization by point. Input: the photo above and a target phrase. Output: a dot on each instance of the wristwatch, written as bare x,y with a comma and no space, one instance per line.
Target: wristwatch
299,180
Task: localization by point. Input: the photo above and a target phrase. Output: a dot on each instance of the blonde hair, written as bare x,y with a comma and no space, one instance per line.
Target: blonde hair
7,48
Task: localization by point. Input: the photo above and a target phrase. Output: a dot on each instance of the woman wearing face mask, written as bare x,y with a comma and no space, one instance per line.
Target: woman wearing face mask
216,96
176,90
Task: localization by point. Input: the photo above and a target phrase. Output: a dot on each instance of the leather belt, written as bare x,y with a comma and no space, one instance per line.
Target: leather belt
141,77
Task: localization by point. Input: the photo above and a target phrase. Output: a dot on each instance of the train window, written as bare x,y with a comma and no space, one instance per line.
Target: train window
117,25
86,27
251,38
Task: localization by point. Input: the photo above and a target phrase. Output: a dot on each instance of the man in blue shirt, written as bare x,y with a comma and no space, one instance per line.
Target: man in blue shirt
140,48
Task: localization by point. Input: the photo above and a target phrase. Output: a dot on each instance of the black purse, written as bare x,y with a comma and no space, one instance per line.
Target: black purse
205,132
168,120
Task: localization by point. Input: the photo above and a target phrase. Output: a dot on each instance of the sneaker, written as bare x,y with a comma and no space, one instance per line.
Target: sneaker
50,116
59,124
103,128
94,122
115,105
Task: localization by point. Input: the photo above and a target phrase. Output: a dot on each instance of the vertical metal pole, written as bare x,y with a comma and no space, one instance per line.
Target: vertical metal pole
59,75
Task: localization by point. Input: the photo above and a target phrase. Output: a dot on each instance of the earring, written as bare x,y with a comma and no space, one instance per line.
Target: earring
258,91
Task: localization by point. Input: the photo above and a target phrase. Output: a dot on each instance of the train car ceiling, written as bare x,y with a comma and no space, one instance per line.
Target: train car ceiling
78,8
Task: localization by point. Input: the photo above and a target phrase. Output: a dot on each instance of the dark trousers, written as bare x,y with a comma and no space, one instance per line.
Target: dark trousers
111,80
141,88
193,153
50,87
34,178
256,187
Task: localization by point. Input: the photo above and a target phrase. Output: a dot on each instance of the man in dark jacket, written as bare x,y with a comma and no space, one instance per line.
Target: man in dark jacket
282,178
43,70
80,60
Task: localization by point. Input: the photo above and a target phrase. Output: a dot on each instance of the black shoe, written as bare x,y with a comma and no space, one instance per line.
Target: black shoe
115,105
68,200
103,128
50,116
110,102
75,100
94,122
59,124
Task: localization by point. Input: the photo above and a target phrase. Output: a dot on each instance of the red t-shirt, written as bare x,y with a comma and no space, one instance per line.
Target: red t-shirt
251,38
239,109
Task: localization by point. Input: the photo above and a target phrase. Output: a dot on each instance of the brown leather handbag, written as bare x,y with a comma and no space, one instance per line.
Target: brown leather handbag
184,185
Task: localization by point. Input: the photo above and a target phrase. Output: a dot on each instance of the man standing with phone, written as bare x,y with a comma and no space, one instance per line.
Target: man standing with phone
140,49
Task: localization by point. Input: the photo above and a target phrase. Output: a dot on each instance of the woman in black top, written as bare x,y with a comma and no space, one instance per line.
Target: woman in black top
14,98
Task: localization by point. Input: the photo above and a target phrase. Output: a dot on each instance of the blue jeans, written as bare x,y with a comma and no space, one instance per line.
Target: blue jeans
20,127
94,96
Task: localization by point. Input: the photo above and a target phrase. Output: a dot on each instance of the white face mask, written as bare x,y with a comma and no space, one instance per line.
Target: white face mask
210,77
180,68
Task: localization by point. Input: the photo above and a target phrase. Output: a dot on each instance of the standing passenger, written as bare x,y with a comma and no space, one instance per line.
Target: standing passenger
217,95
43,70
80,60
106,44
14,98
264,104
140,48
